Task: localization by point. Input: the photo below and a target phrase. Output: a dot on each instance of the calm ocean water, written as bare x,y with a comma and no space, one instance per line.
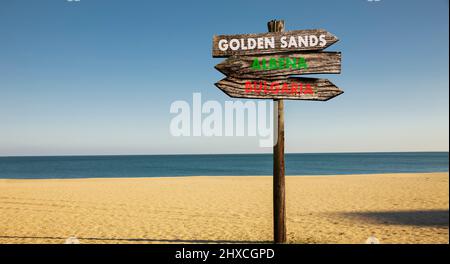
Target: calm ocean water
245,164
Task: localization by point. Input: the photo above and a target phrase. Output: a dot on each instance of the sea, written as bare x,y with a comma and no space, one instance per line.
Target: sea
65,167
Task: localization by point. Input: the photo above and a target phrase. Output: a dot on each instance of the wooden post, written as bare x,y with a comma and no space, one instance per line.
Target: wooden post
279,203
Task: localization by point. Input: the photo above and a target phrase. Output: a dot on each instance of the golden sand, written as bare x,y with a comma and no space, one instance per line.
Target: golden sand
396,208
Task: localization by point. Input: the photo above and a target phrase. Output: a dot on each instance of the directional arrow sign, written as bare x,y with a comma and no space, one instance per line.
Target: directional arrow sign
272,43
290,88
274,66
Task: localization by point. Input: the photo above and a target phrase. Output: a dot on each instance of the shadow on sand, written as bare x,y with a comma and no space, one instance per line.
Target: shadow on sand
421,218
148,240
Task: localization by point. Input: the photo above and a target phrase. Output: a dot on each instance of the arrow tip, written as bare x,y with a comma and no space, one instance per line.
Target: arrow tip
221,67
334,94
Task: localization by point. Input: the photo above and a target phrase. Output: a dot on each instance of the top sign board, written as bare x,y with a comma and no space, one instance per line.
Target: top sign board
272,43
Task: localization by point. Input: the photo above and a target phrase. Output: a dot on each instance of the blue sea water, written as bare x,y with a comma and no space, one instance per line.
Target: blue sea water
236,164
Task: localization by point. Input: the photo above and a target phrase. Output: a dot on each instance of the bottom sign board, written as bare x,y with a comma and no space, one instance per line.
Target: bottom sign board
295,88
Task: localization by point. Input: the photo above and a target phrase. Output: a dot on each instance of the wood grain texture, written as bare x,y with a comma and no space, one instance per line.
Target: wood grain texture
279,188
217,53
279,200
318,62
323,89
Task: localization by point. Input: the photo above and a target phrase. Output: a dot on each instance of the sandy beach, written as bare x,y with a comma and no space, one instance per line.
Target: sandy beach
396,208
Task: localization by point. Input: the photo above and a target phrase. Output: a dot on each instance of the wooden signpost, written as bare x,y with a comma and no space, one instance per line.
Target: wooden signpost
260,66
272,42
281,65
290,88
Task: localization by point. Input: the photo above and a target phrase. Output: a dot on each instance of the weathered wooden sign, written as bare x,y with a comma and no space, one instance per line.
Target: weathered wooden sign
290,88
273,42
260,66
274,66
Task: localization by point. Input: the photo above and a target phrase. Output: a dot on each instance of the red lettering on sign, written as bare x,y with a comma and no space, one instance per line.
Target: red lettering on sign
292,88
274,87
248,87
308,90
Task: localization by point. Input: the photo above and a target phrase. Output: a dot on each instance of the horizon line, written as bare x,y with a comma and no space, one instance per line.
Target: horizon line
203,154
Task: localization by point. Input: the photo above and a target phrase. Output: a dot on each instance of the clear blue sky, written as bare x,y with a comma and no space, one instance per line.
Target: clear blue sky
98,77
